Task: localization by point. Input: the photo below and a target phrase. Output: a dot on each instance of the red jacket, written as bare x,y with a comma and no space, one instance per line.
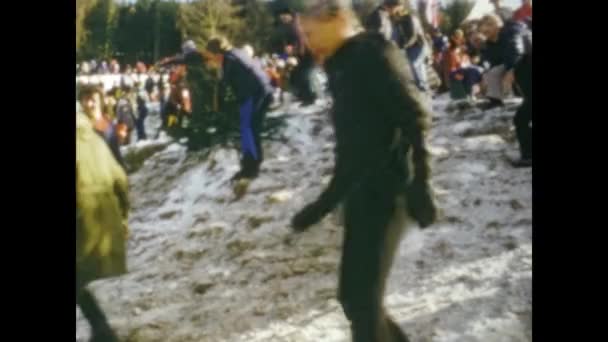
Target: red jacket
524,12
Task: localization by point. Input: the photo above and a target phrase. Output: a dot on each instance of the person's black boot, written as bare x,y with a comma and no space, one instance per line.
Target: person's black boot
101,330
250,169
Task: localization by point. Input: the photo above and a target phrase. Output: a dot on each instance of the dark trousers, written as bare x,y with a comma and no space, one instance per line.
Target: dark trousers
139,125
253,113
91,310
470,77
301,79
416,57
374,219
523,117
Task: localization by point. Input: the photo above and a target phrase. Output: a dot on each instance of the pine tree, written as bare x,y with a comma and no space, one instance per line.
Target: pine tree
82,9
99,25
454,14
259,22
201,20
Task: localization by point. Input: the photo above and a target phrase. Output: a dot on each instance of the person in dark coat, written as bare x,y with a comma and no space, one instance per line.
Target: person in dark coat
290,38
396,23
142,114
411,38
509,45
381,172
125,113
380,20
253,92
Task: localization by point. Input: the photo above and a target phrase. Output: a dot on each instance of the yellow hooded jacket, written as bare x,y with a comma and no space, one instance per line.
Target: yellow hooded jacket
102,207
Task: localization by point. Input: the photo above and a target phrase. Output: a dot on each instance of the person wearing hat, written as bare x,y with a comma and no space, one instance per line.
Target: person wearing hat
253,91
382,172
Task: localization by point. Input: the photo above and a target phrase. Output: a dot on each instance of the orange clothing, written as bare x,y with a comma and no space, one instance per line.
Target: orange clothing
455,59
525,11
274,76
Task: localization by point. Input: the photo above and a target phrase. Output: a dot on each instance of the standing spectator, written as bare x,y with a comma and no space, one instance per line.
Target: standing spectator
523,13
291,42
85,68
412,40
440,42
114,67
110,103
287,33
142,112
510,47
103,68
125,112
380,19
289,52
140,68
149,85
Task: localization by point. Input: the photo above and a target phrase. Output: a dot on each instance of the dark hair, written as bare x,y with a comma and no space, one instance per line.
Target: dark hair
218,45
87,90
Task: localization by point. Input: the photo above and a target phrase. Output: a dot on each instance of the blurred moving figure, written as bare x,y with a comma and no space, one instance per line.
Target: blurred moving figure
508,50
102,206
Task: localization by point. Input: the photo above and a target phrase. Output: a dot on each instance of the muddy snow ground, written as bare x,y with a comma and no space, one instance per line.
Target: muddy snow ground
206,268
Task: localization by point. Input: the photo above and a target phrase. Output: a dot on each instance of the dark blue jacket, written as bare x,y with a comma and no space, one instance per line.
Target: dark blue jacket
244,76
514,42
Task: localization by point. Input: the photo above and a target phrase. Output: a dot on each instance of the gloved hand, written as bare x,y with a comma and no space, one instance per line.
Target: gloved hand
308,216
421,204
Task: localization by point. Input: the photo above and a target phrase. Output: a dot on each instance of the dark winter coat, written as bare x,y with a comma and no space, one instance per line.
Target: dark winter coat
379,21
379,118
244,76
410,32
150,84
288,34
514,42
125,113
102,205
